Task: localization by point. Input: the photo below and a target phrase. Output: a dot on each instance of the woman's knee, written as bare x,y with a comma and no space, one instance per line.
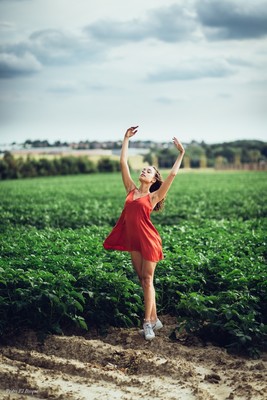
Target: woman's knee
147,281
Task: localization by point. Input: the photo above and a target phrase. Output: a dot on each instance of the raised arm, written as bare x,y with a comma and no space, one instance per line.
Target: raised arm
159,194
126,176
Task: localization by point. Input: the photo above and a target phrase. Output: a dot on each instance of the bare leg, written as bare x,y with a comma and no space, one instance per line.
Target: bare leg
138,262
154,317
148,269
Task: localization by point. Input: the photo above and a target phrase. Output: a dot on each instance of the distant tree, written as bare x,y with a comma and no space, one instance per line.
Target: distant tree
237,158
44,167
69,166
56,166
40,143
85,165
254,155
195,152
220,162
108,165
264,150
226,152
149,158
28,169
11,164
203,161
4,171
166,157
245,157
186,161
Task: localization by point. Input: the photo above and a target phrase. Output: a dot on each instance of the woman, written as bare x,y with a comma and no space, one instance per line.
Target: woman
134,231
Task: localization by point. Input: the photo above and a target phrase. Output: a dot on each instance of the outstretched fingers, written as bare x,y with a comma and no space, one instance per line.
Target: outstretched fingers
134,129
178,144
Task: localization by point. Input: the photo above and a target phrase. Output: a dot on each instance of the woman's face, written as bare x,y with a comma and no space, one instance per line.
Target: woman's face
147,174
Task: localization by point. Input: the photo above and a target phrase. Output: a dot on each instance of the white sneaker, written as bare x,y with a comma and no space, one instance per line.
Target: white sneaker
148,331
158,325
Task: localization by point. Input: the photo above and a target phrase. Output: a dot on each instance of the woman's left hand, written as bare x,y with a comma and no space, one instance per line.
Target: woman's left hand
178,145
131,131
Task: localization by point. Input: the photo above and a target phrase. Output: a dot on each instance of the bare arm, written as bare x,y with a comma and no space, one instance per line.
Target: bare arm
126,176
159,194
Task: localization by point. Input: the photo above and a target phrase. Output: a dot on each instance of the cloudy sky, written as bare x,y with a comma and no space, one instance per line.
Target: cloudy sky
83,69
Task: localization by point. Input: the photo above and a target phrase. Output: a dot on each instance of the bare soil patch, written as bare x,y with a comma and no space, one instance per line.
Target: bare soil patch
122,365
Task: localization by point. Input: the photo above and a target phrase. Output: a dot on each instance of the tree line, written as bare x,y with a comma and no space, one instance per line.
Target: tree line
15,168
249,154
201,155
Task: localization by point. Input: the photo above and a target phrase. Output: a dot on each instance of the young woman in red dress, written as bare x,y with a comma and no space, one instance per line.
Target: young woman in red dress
134,231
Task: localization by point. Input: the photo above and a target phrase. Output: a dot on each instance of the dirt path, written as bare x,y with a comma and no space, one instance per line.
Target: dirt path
124,366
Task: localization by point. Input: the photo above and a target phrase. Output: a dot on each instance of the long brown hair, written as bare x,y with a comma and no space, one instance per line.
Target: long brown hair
155,186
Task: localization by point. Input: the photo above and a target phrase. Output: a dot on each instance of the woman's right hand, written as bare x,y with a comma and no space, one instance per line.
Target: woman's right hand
131,131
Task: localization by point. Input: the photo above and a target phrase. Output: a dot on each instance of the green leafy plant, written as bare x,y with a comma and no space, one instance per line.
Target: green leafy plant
55,272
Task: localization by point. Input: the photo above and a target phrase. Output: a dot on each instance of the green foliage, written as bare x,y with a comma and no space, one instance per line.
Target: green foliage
38,299
54,271
63,279
108,165
112,299
218,283
14,168
166,157
249,151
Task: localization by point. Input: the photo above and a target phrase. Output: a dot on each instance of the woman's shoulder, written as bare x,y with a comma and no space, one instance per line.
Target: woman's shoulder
132,189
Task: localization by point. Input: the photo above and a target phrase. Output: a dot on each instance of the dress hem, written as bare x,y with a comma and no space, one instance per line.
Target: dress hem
119,248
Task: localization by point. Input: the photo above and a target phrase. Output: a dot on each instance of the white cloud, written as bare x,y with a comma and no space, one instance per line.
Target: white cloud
168,24
12,65
193,69
54,46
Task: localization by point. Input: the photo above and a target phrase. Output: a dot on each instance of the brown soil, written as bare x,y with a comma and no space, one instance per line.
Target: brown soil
124,366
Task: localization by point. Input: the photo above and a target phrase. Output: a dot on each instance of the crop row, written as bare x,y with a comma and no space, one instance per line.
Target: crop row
78,201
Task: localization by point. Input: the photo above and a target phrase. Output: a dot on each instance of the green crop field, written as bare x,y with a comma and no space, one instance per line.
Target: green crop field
54,271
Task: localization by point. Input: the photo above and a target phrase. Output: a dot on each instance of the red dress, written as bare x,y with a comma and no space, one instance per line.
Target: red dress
134,230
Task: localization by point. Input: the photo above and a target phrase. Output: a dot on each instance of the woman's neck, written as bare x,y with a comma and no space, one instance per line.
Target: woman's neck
144,189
